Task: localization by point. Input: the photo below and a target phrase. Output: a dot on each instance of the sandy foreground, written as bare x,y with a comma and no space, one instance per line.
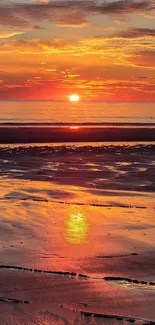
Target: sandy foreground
77,236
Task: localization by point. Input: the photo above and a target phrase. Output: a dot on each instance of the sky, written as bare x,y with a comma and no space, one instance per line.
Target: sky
98,49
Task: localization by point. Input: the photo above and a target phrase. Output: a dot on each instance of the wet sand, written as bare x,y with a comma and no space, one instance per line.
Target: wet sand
60,260
26,134
77,235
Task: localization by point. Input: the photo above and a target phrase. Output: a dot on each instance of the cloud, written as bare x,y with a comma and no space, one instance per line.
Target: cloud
133,47
137,33
67,12
10,34
144,58
145,78
40,1
129,34
123,7
10,19
95,88
35,46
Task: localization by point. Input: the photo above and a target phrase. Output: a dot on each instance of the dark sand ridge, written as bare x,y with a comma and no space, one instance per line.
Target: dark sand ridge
81,276
23,134
125,206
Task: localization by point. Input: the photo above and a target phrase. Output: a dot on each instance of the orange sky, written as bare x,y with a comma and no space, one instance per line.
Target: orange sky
100,49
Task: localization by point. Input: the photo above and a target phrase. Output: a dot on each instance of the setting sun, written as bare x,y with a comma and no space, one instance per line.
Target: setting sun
74,98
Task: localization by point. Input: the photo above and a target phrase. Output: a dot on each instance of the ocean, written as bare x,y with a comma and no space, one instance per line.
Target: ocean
77,219
92,112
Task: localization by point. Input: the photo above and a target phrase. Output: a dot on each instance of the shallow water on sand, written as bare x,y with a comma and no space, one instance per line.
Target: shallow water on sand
82,209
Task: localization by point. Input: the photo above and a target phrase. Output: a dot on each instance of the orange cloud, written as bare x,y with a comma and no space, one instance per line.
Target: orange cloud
144,58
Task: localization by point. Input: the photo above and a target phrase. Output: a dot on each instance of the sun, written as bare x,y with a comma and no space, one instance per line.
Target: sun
74,98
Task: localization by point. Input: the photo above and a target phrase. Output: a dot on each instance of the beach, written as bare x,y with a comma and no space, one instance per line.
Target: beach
77,233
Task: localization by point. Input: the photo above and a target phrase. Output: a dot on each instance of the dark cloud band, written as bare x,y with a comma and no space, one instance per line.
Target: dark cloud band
68,11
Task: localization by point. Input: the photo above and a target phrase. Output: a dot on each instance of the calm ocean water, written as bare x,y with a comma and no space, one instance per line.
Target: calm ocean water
82,112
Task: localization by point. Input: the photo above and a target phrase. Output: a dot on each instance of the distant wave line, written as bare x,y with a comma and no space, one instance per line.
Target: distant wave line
89,124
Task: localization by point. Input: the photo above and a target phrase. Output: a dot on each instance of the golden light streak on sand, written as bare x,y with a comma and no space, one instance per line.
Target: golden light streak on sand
76,230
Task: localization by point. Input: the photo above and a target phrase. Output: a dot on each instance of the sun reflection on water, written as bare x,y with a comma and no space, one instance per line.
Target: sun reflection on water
76,228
